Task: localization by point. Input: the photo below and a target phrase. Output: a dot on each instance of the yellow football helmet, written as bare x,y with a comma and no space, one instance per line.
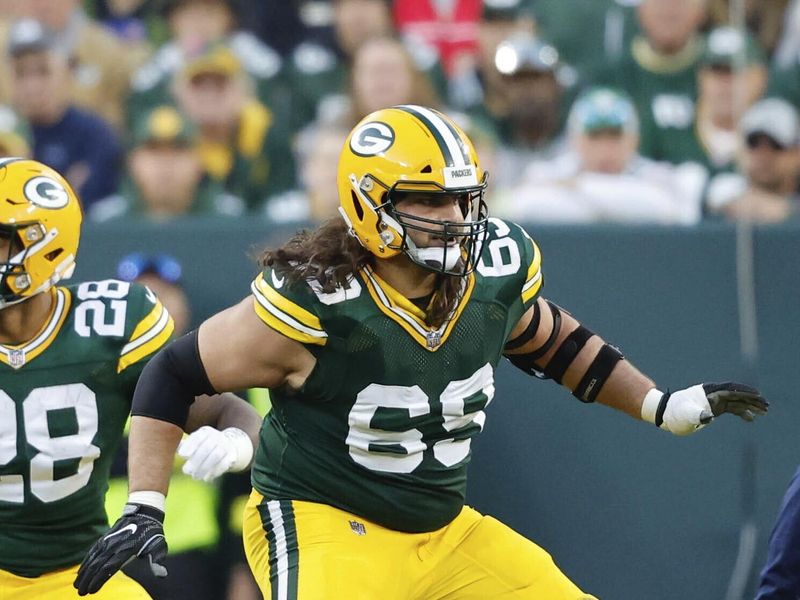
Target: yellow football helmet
407,149
40,215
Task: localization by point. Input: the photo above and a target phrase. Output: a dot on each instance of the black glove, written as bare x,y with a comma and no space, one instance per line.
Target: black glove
734,398
139,532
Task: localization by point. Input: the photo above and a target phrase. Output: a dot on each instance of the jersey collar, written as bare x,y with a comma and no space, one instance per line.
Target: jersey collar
16,356
403,312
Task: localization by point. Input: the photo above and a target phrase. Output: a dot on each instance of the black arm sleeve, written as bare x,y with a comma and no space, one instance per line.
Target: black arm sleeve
170,381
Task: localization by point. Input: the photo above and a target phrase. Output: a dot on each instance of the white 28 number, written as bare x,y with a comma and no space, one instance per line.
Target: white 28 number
90,293
35,409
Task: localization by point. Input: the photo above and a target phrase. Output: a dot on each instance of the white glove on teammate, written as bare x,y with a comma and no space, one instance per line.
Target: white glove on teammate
685,411
210,452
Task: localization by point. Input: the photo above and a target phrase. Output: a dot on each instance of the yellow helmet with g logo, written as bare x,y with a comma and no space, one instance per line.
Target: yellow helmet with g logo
410,149
40,216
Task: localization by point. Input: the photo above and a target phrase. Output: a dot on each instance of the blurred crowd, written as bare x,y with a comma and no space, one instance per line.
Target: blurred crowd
636,111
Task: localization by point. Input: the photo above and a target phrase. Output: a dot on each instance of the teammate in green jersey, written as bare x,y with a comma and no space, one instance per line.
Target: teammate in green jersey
378,334
70,357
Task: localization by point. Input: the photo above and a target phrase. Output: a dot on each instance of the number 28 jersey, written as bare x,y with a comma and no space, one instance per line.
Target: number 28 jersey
383,425
64,399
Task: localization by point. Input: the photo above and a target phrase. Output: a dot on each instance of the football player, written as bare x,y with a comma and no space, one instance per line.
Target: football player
69,360
379,334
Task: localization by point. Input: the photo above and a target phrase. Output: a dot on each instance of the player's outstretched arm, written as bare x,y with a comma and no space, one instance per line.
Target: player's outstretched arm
232,350
551,343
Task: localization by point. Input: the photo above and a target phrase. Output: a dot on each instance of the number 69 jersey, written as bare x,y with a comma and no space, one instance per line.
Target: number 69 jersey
64,399
383,425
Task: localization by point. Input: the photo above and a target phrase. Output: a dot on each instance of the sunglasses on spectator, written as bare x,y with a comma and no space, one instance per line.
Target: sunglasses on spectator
754,140
132,266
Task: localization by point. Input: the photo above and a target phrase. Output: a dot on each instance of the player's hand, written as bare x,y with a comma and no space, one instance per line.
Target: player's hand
210,452
138,533
685,411
735,398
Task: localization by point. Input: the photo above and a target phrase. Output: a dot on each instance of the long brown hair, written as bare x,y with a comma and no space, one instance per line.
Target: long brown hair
331,256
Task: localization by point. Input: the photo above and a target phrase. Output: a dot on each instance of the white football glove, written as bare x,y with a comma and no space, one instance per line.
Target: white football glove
685,411
210,452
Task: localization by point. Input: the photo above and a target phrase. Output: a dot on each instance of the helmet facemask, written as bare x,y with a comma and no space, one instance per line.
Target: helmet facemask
13,276
463,240
24,241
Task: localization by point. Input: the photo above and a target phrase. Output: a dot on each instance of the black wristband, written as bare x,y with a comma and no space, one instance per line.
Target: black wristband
170,381
662,407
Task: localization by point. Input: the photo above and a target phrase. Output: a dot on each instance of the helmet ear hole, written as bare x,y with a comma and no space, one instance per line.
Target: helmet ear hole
51,256
357,206
426,169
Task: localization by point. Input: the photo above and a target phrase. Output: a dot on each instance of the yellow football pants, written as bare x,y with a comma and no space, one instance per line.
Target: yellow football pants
58,586
308,551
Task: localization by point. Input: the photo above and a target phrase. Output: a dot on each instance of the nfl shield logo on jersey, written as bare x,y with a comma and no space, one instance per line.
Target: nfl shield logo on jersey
358,528
16,358
434,338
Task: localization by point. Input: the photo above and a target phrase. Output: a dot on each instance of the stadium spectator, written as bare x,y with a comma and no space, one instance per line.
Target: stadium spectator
15,134
319,73
601,178
586,33
317,149
162,273
166,178
528,105
453,28
659,71
102,65
780,577
449,27
385,74
766,191
71,140
194,25
243,143
726,89
476,83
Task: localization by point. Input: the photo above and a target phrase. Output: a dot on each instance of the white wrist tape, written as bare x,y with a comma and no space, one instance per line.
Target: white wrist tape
650,405
154,499
243,447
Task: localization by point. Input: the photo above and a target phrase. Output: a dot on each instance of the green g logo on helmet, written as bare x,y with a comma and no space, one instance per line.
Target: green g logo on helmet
372,138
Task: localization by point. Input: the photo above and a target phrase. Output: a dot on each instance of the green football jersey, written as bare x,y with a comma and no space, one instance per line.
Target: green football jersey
382,427
64,399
